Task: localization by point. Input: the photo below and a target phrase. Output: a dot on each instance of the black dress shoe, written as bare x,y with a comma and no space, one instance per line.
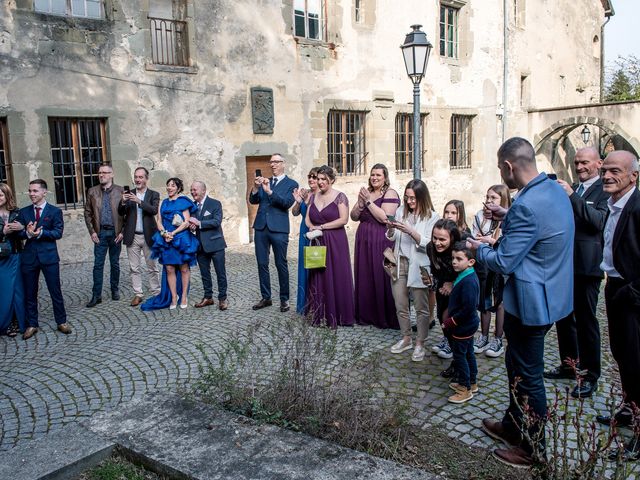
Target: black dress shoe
560,372
284,307
585,389
94,301
265,302
623,418
115,295
448,372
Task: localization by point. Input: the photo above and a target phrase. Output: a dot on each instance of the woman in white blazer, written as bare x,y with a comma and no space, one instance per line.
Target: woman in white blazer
411,231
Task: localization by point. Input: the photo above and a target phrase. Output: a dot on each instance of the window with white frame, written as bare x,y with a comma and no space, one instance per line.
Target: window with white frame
71,8
449,30
308,19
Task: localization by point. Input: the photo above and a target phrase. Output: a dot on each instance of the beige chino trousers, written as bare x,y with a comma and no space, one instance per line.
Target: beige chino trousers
137,252
420,297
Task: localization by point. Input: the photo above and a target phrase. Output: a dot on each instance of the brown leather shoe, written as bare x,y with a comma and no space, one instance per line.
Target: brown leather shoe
205,302
223,304
265,302
65,328
29,332
135,301
514,457
496,430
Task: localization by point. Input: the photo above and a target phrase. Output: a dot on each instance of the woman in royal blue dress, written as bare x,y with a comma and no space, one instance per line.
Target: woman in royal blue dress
301,207
175,247
330,289
11,293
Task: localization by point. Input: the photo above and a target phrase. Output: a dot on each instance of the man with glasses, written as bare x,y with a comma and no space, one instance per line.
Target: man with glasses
274,197
105,227
579,333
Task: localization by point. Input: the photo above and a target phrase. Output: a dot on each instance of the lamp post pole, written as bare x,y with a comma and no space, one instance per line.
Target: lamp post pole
417,150
415,50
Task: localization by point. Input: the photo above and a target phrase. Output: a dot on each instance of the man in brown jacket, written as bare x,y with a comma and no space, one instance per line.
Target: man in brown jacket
105,227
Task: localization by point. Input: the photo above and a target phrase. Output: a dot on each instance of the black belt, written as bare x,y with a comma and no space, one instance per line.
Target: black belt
139,233
107,227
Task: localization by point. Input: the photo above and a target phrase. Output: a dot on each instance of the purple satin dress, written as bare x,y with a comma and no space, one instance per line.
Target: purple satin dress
330,289
374,300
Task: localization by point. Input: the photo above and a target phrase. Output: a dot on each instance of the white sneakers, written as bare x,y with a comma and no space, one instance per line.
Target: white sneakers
495,348
402,346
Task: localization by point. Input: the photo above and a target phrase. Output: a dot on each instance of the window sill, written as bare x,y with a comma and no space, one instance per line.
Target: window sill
308,42
84,23
455,62
152,67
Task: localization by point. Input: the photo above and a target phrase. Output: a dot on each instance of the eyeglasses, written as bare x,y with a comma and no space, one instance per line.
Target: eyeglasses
407,198
276,161
315,177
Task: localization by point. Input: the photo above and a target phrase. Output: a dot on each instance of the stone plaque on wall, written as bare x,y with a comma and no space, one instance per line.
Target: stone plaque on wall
262,110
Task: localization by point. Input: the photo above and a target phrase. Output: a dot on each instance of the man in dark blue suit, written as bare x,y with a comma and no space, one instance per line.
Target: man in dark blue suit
579,333
536,253
274,196
43,227
207,226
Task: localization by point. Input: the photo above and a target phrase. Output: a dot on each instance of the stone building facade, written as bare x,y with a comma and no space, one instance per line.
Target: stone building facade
209,89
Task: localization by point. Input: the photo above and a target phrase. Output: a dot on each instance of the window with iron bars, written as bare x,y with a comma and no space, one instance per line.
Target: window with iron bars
5,161
346,146
169,42
404,141
449,31
358,12
71,8
78,148
308,19
461,138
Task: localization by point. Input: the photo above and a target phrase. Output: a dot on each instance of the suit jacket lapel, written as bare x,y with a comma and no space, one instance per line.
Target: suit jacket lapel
592,189
624,218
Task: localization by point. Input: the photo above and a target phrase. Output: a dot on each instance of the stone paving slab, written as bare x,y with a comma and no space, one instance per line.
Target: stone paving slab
173,435
117,353
59,456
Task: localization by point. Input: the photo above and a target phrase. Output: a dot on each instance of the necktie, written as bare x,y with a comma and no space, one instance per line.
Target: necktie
273,182
199,209
38,213
580,190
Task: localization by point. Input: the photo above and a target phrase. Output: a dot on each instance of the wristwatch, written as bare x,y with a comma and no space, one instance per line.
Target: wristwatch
367,203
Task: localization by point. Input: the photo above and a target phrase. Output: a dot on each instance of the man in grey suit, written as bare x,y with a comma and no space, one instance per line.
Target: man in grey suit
206,224
579,333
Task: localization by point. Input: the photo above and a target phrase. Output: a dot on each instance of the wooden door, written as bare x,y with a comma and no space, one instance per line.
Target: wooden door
254,163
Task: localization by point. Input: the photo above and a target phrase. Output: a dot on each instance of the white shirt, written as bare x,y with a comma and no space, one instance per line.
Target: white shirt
139,225
615,210
279,179
41,207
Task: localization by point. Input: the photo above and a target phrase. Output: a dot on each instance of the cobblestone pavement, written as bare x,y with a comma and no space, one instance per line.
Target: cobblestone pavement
117,353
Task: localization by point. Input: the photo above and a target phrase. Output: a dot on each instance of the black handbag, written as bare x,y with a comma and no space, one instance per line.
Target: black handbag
6,247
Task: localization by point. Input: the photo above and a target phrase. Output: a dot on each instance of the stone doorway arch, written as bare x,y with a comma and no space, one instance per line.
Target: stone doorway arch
556,146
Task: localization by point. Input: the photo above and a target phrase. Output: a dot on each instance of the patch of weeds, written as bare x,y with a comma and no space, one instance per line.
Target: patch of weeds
117,468
300,377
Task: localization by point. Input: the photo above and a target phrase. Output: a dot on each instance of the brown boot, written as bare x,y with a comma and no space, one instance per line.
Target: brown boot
462,395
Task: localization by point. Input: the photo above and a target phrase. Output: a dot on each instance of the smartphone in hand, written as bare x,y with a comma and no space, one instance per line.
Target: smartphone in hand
552,176
258,172
126,189
391,218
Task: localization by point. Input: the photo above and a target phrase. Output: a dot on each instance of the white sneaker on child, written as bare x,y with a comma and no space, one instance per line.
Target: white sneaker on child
495,349
440,345
481,344
445,352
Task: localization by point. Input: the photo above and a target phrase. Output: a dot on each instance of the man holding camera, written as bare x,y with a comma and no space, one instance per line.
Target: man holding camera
105,227
139,209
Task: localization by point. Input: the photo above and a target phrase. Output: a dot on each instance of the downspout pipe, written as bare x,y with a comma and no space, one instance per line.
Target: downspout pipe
607,13
505,66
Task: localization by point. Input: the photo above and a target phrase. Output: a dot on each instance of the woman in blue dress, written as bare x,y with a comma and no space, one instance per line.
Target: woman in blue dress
11,293
301,206
175,247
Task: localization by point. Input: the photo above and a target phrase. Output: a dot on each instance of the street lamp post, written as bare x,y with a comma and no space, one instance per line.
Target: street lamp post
415,50
586,133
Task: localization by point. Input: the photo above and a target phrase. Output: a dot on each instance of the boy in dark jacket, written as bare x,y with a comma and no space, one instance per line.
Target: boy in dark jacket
462,323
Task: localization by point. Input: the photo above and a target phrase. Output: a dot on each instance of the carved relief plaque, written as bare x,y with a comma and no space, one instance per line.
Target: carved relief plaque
262,110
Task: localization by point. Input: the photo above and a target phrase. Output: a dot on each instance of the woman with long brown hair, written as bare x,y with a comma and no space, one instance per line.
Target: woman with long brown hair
11,293
376,204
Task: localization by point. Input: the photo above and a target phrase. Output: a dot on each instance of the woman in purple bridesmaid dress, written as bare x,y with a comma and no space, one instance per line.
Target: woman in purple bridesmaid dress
377,202
330,289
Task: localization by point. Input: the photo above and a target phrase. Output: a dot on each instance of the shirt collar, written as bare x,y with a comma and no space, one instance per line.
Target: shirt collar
587,184
280,177
463,274
622,202
41,205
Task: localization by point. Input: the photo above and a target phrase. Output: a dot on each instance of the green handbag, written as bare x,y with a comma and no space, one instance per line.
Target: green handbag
315,256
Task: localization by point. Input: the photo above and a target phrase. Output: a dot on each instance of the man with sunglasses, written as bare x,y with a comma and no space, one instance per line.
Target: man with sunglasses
274,197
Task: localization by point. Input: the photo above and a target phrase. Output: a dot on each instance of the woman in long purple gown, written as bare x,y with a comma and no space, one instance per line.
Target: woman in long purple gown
330,289
374,299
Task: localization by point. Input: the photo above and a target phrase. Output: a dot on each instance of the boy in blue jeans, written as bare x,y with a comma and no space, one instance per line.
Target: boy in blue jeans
462,323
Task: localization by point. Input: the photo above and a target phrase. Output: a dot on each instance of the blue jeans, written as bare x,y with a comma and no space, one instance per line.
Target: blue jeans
524,360
464,361
107,244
